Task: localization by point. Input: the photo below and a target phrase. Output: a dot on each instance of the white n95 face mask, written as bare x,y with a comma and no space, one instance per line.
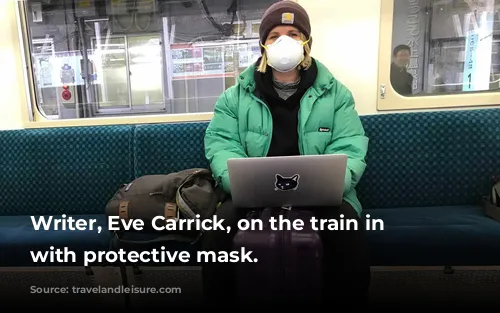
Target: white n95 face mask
285,53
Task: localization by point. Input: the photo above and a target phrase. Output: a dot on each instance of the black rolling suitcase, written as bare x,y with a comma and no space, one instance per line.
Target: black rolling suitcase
289,268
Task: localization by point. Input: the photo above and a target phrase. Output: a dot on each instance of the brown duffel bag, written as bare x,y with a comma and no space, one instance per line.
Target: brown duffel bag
188,194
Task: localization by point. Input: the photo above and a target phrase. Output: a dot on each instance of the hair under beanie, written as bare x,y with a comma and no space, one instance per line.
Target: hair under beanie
285,12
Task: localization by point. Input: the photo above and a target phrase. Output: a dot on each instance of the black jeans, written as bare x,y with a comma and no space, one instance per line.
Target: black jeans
346,267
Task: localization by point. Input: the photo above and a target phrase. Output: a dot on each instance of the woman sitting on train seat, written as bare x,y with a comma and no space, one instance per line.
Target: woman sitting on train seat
295,88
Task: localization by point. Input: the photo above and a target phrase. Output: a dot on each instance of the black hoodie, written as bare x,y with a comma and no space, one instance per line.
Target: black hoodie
401,80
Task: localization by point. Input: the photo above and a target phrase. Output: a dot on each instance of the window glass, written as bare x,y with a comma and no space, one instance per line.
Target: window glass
117,57
145,71
110,85
445,47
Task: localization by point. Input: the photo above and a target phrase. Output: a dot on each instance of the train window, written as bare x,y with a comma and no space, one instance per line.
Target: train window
440,54
93,58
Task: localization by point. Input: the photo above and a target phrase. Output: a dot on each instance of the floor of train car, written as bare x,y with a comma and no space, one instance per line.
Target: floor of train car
405,289
411,289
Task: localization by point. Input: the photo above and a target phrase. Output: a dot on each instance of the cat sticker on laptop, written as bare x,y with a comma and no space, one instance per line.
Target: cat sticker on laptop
286,183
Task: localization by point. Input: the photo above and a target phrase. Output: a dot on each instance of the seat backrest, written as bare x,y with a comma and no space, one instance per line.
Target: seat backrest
430,158
414,159
73,170
167,148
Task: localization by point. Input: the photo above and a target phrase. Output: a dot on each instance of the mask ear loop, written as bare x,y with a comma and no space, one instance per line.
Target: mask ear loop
302,44
265,48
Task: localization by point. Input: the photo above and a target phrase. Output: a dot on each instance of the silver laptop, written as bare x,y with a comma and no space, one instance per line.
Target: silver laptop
292,181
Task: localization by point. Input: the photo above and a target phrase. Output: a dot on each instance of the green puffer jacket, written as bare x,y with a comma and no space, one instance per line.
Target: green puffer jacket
242,127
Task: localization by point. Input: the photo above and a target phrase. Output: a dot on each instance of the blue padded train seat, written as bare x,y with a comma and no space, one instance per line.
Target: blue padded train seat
434,236
426,175
430,159
72,170
18,238
168,148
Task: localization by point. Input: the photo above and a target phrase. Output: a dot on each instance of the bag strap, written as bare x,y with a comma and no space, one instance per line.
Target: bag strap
491,205
183,206
181,203
495,194
166,238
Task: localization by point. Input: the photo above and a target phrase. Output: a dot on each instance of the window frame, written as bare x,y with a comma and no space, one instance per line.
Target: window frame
389,100
28,71
37,119
129,108
39,91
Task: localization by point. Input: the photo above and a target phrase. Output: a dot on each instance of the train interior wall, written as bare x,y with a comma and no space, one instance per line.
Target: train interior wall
342,31
346,38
